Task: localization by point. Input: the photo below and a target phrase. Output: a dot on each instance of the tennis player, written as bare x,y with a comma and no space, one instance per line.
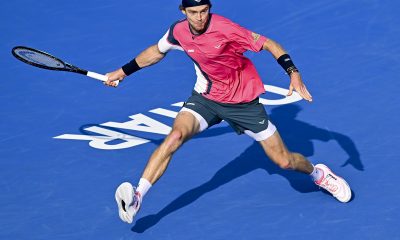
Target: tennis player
227,88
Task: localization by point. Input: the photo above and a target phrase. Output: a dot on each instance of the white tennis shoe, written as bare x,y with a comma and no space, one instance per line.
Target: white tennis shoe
334,184
128,200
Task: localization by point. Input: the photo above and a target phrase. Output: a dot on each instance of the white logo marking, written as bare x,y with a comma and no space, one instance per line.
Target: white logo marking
191,50
262,122
218,46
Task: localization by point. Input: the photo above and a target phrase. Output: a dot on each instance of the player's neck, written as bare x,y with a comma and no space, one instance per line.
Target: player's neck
196,32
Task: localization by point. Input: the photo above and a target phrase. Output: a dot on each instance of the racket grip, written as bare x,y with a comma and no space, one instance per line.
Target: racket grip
100,77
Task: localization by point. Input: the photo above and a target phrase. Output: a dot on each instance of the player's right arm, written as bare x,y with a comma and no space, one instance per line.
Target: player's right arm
148,57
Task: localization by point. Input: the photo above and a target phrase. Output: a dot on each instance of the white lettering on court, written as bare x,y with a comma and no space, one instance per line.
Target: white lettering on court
142,123
101,141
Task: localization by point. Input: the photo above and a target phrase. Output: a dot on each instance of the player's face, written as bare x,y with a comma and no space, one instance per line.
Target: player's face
197,17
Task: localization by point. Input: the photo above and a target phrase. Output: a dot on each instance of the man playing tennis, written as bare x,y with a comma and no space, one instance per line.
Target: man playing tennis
227,88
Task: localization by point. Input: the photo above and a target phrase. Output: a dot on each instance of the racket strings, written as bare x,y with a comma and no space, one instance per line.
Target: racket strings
39,58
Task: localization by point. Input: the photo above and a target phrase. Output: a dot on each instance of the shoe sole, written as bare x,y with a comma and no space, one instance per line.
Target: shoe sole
124,197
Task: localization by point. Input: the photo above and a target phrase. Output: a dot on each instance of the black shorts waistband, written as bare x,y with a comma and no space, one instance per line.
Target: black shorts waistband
256,100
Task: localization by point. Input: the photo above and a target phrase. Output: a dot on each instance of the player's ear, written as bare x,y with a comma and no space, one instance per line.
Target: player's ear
182,9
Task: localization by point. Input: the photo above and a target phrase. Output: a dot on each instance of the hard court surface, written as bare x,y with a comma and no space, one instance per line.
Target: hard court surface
67,141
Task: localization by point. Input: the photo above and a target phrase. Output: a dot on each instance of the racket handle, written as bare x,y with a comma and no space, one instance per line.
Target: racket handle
100,77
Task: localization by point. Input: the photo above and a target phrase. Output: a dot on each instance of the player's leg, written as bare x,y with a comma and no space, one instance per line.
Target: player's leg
128,198
194,117
185,126
252,119
279,154
321,174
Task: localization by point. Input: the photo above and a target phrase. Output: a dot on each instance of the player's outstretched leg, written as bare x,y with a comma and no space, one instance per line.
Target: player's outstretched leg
334,184
128,200
321,174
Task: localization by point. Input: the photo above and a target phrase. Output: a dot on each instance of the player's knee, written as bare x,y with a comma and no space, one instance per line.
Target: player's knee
285,162
174,140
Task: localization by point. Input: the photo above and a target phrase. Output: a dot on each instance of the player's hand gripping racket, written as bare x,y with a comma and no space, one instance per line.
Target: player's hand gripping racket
44,60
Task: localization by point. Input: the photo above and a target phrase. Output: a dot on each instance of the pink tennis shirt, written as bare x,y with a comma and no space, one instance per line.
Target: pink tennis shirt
224,74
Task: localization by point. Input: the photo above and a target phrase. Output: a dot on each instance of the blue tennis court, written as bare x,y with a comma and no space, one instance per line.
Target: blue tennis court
66,145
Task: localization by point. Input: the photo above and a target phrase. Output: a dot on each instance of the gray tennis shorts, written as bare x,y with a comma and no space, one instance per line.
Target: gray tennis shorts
249,118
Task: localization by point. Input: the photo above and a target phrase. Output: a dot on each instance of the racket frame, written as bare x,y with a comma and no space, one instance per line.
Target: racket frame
68,67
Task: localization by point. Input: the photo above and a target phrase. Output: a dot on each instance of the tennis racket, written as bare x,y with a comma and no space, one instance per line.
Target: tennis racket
45,60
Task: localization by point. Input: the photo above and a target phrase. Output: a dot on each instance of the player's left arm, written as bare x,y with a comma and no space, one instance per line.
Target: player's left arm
296,83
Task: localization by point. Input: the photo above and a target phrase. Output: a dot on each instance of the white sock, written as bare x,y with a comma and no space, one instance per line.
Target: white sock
143,186
316,174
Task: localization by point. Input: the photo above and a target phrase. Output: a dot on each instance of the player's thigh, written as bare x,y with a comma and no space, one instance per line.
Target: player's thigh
186,124
201,109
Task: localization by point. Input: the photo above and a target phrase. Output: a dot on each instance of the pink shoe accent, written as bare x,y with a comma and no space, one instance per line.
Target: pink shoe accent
137,200
334,184
318,182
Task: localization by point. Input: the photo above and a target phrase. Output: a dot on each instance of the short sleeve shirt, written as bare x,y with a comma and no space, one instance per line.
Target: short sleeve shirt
224,74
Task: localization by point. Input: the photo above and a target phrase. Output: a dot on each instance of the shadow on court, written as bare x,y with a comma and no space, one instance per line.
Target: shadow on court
297,135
